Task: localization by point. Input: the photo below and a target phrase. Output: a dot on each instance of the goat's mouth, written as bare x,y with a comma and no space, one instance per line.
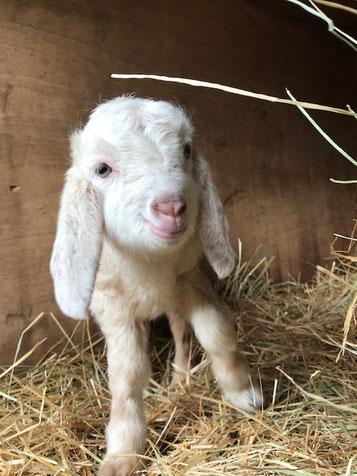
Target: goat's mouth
165,233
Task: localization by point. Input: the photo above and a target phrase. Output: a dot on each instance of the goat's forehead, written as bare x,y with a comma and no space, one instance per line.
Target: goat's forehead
135,131
161,135
153,119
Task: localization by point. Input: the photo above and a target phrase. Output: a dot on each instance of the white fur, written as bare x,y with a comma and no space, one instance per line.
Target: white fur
248,399
107,256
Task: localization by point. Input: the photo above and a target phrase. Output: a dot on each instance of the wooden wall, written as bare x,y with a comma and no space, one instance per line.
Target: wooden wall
271,166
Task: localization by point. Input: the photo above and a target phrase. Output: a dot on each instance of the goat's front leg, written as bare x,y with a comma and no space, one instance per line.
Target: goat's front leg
213,326
128,371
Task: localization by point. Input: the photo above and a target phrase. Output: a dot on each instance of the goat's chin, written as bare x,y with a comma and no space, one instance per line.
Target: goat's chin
163,241
167,235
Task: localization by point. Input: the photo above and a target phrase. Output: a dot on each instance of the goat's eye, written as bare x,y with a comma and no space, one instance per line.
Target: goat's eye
187,151
103,170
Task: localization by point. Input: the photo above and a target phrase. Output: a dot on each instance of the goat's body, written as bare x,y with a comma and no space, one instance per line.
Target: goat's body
141,287
131,289
138,209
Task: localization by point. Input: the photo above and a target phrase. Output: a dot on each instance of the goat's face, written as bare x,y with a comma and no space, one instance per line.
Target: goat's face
137,155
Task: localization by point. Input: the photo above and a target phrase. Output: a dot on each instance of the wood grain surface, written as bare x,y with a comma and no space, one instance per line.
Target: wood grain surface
271,166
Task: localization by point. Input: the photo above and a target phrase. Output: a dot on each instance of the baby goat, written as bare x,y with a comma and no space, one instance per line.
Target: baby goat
138,209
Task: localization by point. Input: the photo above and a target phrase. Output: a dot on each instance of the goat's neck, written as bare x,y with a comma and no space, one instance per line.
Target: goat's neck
134,267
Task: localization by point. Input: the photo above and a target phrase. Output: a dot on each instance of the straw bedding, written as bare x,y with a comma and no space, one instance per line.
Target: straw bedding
301,342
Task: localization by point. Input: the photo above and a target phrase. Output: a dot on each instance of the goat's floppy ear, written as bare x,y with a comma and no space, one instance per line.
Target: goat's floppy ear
213,224
78,244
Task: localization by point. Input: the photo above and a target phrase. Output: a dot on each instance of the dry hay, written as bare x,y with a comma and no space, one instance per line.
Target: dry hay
53,415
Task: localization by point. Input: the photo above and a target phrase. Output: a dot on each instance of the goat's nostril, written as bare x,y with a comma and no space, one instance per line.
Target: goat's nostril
173,209
180,208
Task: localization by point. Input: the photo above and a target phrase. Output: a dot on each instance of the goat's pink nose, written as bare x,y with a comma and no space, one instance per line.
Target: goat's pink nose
168,205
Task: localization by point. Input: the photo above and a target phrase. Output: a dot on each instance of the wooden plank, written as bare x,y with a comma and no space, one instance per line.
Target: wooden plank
271,167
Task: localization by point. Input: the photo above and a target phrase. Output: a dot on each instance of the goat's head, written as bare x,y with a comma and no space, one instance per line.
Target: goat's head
136,154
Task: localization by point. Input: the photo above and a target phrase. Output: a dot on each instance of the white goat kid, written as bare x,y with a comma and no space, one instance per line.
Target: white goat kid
138,208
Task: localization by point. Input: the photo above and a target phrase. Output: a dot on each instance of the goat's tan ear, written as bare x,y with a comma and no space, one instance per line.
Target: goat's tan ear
78,244
213,223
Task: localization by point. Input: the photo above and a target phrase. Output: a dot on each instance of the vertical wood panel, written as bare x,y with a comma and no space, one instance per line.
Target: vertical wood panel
271,167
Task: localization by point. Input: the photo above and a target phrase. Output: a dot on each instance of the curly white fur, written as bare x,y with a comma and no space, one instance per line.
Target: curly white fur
128,247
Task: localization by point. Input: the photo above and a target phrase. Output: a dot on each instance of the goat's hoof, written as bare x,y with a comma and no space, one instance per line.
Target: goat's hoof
178,379
119,466
249,400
